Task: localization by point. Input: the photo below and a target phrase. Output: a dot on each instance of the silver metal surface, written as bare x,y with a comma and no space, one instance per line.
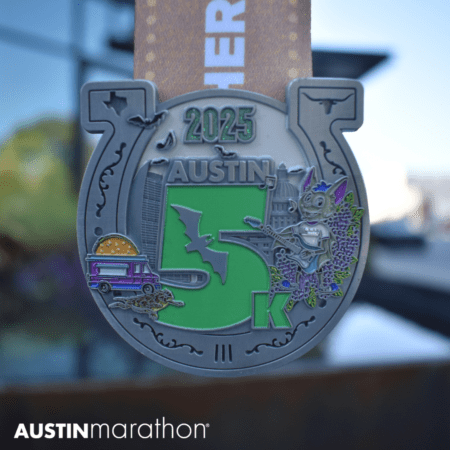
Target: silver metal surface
312,237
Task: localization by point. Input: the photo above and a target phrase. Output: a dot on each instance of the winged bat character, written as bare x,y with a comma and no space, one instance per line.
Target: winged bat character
191,219
145,122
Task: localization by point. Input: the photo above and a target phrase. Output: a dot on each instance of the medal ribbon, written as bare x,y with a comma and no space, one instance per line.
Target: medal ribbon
256,45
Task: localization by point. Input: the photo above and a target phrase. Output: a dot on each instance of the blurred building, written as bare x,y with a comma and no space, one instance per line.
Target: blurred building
433,214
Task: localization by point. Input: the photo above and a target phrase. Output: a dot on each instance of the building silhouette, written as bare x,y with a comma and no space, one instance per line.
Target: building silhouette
151,225
280,217
151,217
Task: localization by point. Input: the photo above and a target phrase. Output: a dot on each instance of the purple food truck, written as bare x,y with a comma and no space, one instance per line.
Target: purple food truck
107,273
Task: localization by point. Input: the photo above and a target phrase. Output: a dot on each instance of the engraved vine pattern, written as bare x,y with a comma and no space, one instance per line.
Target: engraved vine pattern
278,344
334,164
173,344
108,171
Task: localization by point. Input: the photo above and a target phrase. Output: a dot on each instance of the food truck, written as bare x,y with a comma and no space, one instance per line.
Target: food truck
115,264
121,272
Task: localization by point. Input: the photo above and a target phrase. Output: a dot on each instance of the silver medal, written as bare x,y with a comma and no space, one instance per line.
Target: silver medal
223,232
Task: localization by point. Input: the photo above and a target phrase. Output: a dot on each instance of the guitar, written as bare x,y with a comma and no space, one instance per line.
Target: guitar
296,246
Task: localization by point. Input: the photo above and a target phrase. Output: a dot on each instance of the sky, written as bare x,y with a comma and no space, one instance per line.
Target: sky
406,116
405,112
406,99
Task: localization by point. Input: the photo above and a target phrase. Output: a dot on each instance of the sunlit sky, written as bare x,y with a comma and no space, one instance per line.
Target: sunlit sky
406,100
406,114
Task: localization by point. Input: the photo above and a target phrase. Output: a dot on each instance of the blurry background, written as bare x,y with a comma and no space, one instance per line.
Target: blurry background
381,376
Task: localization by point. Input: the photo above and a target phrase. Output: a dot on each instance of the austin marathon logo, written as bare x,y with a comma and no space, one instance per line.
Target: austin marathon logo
157,430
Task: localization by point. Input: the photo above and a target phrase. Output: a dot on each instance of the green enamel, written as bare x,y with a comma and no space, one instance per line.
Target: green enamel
223,208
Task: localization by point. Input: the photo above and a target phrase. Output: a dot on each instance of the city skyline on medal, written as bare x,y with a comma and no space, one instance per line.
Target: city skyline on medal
239,237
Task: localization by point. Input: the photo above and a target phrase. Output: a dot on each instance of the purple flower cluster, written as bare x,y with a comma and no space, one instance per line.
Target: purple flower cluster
289,269
346,243
347,240
306,282
286,266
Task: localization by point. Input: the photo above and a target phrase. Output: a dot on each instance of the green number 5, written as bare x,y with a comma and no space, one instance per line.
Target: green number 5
245,120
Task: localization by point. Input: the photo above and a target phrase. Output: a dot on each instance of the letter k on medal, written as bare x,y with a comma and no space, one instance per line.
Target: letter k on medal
222,232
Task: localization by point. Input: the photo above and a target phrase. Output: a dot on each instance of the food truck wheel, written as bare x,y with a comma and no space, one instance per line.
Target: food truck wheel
104,287
147,288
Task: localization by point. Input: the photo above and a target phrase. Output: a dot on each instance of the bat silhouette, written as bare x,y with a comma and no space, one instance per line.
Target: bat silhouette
296,169
224,153
327,103
191,219
159,161
144,122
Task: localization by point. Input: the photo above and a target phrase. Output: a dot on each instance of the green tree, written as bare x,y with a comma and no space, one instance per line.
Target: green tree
37,202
